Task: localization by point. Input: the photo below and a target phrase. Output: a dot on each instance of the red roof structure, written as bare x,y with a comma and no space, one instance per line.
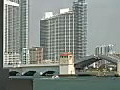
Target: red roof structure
66,54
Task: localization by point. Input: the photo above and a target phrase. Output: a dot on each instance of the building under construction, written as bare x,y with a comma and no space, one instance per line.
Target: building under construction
65,32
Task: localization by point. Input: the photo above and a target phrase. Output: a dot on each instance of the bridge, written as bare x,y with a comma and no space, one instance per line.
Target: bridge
54,67
88,60
38,68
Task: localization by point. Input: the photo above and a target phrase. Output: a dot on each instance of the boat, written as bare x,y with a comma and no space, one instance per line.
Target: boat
55,77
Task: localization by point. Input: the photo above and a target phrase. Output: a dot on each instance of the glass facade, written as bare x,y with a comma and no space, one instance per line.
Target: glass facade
80,12
24,30
65,32
13,31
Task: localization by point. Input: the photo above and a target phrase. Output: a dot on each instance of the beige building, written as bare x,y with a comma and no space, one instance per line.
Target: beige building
36,55
66,66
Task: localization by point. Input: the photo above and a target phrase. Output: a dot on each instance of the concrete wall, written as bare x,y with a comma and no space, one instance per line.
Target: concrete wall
63,69
3,79
20,84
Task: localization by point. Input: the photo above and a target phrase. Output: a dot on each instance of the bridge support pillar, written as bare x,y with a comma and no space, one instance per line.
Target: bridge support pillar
118,68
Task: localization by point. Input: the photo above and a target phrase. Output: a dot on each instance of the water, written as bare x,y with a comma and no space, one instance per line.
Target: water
78,83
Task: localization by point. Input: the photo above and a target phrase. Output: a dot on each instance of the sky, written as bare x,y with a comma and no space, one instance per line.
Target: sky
103,21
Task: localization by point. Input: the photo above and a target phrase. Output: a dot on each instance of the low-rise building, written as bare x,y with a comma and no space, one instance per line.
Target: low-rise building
36,55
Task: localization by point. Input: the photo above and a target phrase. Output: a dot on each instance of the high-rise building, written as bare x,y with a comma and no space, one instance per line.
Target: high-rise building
80,28
65,32
15,30
24,31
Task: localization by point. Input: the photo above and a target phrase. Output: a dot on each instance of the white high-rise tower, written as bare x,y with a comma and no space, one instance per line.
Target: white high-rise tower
15,31
65,32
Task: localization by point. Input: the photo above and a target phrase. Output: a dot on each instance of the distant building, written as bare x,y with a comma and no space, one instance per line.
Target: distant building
36,55
65,32
103,50
16,28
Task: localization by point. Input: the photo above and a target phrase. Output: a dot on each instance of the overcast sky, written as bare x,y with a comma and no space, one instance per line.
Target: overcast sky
103,21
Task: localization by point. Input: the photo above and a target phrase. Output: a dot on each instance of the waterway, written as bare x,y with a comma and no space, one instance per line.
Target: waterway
77,83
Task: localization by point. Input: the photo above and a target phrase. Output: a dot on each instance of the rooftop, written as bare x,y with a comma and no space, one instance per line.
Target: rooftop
66,54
